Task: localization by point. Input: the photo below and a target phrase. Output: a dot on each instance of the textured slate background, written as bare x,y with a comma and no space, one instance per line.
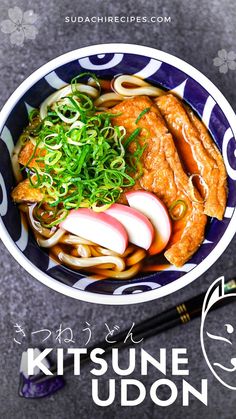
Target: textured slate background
198,30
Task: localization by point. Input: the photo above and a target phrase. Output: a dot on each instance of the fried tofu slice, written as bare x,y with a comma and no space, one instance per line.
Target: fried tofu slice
164,174
198,152
217,194
27,152
24,192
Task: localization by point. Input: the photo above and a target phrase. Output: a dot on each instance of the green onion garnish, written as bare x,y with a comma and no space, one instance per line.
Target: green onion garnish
82,160
178,209
141,114
87,75
131,138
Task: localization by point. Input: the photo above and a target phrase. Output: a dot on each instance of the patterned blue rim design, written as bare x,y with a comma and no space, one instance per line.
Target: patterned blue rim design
107,65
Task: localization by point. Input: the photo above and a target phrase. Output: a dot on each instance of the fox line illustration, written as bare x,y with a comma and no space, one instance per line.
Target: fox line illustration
218,334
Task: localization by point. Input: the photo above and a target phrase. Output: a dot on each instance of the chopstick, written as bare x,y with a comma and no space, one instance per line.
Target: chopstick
178,315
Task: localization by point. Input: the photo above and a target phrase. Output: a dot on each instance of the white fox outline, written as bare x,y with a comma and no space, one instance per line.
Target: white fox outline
214,294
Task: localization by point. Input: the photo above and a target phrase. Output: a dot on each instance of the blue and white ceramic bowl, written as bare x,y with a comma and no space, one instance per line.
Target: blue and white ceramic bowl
106,61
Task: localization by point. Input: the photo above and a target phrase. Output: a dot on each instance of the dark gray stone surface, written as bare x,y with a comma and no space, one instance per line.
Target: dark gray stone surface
198,30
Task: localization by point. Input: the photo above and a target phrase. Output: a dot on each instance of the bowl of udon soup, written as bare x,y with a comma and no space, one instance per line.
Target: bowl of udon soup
117,174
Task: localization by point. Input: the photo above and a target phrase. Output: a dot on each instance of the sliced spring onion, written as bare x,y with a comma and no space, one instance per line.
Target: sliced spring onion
180,207
142,114
52,158
132,137
92,80
33,113
82,160
34,180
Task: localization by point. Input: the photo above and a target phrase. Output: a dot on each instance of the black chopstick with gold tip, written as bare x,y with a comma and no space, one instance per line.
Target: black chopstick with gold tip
178,315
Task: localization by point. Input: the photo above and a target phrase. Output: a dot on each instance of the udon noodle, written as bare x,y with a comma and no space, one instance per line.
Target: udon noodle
79,253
